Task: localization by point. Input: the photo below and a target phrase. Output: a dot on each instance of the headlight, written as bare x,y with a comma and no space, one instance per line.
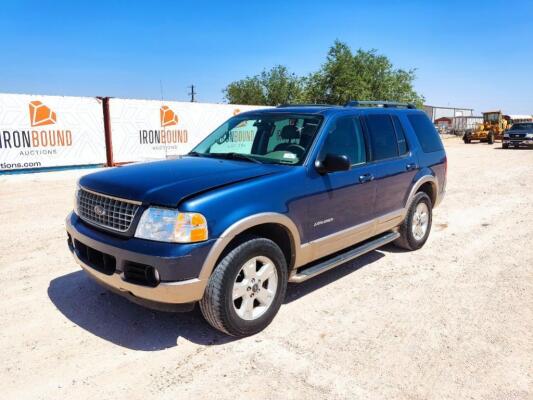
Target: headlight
530,135
168,225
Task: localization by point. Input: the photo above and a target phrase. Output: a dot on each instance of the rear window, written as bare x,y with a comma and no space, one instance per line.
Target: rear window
426,133
382,137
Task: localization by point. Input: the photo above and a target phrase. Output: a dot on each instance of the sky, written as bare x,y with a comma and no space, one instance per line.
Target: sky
475,54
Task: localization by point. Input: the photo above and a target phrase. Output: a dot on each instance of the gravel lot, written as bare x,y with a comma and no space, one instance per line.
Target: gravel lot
453,320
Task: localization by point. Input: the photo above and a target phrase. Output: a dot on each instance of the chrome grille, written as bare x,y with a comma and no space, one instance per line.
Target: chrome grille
106,211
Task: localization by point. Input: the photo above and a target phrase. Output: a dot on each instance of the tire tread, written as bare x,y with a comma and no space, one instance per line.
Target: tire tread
212,303
405,241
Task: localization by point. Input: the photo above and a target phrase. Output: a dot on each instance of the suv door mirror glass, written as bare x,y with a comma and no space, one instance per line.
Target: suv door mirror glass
333,163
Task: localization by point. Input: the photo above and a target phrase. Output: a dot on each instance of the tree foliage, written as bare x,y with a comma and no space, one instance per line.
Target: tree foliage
363,75
272,87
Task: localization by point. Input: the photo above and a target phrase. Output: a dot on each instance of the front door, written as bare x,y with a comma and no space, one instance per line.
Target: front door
341,204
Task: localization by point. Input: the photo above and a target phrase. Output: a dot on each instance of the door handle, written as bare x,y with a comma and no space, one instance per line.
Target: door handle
411,166
366,178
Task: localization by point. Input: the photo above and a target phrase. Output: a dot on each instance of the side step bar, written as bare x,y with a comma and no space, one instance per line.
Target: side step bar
309,272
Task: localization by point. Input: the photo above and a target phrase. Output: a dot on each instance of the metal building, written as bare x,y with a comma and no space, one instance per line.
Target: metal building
436,112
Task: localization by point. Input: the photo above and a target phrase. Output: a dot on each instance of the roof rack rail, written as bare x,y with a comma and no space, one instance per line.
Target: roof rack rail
305,105
384,104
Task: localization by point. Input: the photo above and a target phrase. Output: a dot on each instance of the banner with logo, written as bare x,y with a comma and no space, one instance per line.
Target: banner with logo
149,129
50,131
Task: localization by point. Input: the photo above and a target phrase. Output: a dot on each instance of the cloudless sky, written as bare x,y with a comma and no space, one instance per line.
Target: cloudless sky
476,54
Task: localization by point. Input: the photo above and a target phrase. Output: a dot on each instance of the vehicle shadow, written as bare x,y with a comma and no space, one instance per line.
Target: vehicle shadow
392,248
117,320
114,318
514,148
295,291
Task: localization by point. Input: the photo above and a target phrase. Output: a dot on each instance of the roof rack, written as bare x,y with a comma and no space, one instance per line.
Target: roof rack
305,105
384,104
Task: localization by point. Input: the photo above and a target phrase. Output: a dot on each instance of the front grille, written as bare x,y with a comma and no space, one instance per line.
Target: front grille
105,211
101,262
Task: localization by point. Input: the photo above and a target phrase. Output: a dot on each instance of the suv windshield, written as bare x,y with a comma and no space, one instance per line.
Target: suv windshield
522,126
265,138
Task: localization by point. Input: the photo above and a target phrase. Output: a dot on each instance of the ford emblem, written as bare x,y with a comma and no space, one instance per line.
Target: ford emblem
99,210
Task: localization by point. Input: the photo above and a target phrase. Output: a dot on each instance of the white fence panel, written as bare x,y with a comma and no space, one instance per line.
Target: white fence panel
150,129
50,131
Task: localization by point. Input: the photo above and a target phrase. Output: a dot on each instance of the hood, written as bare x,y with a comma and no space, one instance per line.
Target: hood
168,182
519,131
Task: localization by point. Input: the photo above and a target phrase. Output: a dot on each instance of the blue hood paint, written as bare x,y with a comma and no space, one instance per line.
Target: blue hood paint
167,182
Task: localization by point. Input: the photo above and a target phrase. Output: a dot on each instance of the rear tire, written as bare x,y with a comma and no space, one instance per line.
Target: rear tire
490,138
466,139
246,289
414,230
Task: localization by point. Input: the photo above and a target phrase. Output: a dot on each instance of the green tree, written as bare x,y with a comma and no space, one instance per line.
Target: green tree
272,87
365,75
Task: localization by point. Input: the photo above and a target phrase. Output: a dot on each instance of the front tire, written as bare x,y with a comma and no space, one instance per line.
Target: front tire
246,289
490,138
415,229
505,146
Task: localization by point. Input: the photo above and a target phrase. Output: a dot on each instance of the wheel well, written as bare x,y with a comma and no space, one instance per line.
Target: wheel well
429,189
275,232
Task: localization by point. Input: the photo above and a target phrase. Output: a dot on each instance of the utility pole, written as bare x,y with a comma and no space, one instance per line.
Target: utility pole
192,93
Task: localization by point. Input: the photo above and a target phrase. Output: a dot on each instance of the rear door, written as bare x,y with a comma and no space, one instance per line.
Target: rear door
394,164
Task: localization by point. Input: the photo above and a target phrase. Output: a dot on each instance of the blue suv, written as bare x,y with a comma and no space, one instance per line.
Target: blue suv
272,196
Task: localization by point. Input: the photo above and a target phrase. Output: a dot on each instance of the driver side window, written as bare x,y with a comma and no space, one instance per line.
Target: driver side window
346,138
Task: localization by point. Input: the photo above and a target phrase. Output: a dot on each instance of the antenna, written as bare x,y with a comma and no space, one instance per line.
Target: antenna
192,93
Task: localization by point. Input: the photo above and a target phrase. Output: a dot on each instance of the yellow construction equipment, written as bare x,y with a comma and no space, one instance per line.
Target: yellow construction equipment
491,129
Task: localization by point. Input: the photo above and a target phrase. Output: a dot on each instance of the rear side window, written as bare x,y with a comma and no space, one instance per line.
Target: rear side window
426,133
382,136
402,143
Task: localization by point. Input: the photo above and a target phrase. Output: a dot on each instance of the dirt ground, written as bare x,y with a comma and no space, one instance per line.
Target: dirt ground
453,320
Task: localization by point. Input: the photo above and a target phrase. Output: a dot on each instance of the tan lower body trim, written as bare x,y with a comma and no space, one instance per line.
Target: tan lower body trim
171,293
348,237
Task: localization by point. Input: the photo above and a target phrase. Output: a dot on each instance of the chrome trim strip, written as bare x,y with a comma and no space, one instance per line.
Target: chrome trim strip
106,227
420,182
138,203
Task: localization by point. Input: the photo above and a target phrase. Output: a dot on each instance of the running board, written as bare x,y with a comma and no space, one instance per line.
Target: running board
314,270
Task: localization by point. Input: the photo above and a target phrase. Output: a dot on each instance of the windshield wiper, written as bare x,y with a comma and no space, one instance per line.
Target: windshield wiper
195,154
236,156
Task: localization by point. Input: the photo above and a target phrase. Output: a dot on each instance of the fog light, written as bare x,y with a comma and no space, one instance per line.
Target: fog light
156,275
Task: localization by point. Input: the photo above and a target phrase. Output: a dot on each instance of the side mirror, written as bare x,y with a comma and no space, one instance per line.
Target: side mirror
332,163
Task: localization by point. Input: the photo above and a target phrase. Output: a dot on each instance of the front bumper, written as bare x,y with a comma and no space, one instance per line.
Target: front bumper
523,141
178,266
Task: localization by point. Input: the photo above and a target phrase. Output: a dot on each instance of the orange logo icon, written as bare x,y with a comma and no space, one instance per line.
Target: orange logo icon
168,117
236,111
41,114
